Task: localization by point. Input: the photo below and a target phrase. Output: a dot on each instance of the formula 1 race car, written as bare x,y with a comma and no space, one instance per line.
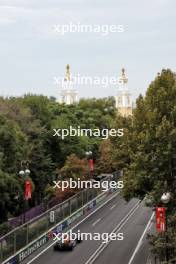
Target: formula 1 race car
66,243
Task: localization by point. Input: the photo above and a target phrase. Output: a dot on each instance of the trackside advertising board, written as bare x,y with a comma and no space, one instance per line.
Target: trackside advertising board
23,254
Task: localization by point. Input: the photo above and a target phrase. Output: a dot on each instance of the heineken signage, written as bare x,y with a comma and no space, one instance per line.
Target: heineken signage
28,251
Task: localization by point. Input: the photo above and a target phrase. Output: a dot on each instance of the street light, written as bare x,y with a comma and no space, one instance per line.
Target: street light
165,198
23,173
88,153
27,172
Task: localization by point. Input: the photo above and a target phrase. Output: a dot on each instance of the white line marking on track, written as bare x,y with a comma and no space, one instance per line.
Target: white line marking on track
96,222
115,230
140,240
112,207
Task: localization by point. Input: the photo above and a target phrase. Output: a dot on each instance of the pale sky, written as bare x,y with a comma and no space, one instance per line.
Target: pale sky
32,54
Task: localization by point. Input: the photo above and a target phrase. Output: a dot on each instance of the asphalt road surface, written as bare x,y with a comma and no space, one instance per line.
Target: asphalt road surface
130,218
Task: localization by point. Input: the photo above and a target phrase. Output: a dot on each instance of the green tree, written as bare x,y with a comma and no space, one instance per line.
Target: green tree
152,146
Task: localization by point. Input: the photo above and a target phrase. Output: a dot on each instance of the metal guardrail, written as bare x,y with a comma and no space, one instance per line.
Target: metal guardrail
23,235
28,232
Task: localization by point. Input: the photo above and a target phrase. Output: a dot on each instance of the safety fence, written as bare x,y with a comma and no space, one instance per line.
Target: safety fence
22,236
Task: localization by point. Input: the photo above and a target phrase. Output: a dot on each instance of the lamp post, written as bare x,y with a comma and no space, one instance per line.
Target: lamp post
90,161
24,173
165,198
88,153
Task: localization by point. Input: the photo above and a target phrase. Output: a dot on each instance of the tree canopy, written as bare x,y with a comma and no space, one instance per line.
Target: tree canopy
26,133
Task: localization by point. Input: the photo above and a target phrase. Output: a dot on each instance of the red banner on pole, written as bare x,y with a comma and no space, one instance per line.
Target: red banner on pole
161,219
28,190
91,164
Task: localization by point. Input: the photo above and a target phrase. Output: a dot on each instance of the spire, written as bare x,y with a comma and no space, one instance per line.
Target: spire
123,98
123,77
67,78
68,94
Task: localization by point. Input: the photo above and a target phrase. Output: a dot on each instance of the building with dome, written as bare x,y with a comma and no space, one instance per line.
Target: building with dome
123,97
68,94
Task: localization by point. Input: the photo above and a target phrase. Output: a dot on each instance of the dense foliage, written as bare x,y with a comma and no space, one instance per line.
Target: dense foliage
26,133
150,153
